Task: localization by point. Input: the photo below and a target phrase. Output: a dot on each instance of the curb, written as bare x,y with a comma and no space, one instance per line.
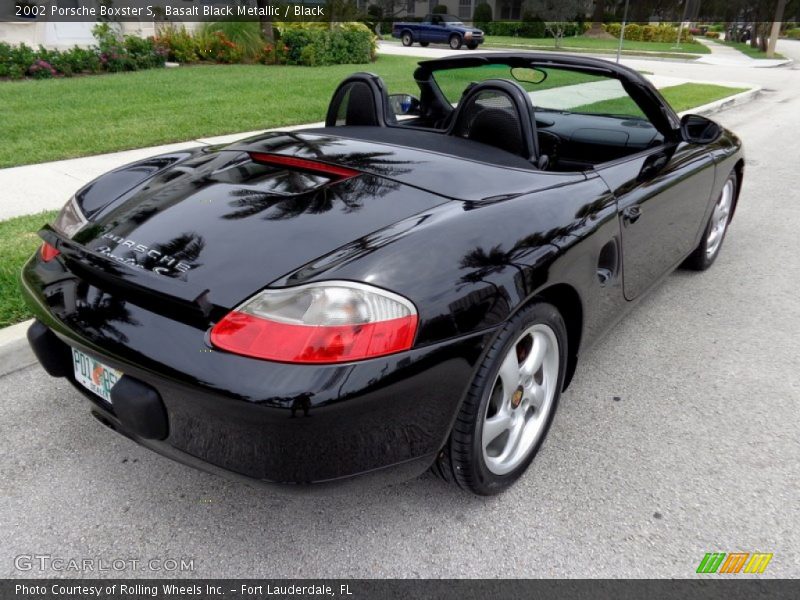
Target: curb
725,103
15,353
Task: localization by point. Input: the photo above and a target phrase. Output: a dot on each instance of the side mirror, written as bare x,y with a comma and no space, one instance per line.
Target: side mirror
404,104
699,130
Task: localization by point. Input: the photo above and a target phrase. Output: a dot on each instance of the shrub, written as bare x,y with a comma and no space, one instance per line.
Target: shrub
712,34
143,53
245,34
439,9
482,16
5,59
113,55
178,44
349,42
650,33
41,69
14,61
532,26
793,33
215,46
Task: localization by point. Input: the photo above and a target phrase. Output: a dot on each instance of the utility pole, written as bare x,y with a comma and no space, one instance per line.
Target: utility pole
776,28
680,27
622,31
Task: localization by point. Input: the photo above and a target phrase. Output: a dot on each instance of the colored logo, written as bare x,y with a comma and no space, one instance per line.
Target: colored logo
735,562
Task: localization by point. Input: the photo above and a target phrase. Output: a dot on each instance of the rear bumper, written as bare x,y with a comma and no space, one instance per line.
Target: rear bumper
383,419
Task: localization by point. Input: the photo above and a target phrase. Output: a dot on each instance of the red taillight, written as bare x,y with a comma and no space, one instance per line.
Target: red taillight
48,252
242,333
303,164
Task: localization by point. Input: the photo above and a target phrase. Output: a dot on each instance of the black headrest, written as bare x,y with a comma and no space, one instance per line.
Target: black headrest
360,100
499,113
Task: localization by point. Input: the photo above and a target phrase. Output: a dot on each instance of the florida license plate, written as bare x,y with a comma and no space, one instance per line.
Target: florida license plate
93,375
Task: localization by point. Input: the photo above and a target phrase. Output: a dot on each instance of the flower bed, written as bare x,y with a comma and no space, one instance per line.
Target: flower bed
227,42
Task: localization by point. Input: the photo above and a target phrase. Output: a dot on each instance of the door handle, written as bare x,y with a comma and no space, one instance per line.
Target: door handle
631,214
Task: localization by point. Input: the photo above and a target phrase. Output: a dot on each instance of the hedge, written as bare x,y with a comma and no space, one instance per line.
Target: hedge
533,29
793,33
482,16
298,44
113,54
650,33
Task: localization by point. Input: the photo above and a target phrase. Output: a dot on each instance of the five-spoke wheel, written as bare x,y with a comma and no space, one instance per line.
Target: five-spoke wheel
708,249
720,219
521,400
510,405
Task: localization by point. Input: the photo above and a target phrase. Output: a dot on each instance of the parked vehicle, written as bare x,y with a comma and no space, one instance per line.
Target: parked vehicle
438,29
379,296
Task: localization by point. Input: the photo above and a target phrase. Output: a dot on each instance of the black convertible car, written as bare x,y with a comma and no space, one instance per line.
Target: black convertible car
409,286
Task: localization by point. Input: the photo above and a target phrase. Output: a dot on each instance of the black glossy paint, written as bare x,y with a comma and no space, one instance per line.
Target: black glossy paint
468,242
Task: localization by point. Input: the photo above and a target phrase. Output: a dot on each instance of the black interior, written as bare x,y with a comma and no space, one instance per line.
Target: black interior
493,114
497,113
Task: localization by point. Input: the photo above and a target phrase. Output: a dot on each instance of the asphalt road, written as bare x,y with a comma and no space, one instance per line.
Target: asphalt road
701,453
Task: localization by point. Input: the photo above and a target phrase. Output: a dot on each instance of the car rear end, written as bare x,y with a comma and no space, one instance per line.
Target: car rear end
128,298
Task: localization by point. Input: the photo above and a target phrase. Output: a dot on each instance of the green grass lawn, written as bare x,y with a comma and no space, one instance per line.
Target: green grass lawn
18,240
66,118
745,48
586,44
681,97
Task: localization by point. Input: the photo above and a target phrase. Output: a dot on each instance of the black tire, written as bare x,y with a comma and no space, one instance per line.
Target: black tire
462,459
407,38
472,45
455,41
424,44
701,258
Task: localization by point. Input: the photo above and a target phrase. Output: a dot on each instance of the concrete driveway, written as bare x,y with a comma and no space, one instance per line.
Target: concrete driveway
679,436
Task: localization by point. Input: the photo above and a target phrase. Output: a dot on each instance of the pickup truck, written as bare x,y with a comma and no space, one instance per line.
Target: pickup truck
444,29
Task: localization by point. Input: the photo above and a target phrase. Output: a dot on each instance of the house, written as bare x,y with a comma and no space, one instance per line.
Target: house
61,35
505,10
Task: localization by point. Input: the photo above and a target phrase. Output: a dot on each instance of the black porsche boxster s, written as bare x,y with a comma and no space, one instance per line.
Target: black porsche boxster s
409,286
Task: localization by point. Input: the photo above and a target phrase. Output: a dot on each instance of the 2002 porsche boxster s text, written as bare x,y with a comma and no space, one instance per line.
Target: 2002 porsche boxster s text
410,286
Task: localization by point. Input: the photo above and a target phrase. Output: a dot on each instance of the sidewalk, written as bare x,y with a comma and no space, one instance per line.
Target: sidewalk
725,56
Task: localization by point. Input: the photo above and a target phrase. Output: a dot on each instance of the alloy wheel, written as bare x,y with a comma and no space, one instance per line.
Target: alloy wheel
521,399
720,219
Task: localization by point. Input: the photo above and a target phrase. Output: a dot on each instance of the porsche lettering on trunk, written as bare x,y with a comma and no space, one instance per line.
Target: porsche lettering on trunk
154,260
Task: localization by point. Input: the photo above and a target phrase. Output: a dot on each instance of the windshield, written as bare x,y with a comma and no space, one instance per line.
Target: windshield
550,89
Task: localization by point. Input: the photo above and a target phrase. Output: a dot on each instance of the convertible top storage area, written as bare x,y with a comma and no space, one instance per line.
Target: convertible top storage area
431,141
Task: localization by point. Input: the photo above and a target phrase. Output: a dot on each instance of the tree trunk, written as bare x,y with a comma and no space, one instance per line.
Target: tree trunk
763,35
599,14
267,32
776,28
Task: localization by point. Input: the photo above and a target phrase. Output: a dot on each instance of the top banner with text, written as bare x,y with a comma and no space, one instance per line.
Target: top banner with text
158,11
168,10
